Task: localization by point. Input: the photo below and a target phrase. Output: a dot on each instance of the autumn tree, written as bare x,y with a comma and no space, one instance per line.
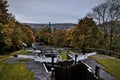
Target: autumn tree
68,38
43,35
12,33
29,37
86,34
58,38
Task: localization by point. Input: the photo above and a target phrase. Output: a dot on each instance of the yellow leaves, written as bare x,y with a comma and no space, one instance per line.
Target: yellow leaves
82,33
15,35
8,41
7,29
12,33
29,33
58,37
1,28
11,23
81,37
32,38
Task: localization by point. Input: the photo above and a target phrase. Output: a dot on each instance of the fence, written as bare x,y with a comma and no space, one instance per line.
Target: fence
106,52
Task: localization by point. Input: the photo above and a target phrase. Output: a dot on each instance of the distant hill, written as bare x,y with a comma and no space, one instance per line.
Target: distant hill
55,26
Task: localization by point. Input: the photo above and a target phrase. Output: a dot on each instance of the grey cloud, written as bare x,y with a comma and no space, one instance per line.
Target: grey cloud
51,10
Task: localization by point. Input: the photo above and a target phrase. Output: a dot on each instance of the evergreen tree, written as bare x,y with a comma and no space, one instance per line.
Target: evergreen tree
3,12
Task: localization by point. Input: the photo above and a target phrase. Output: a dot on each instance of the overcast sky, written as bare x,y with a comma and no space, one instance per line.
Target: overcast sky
54,11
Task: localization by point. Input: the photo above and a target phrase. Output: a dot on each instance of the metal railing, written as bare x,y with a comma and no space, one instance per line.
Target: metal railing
106,52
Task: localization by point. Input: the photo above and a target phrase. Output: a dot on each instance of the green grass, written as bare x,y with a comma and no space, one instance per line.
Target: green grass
6,56
111,65
70,52
15,72
2,58
20,52
64,55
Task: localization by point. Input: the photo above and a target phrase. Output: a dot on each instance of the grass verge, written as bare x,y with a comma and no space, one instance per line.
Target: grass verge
15,72
64,55
6,56
111,65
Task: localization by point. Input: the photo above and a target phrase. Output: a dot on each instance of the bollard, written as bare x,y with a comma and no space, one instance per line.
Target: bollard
52,73
97,71
15,55
52,60
76,58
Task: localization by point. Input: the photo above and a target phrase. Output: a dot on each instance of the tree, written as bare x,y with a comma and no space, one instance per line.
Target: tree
29,37
116,5
68,38
107,13
85,34
43,35
58,38
12,33
3,12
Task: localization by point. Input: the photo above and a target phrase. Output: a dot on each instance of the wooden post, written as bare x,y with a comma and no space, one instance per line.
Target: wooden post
52,60
97,71
76,58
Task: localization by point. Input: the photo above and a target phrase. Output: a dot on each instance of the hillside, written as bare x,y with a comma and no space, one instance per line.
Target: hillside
55,26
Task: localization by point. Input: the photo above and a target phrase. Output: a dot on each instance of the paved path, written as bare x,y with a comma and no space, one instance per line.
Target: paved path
92,63
36,67
39,70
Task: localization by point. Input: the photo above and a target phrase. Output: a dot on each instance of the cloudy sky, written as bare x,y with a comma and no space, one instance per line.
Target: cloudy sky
54,11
